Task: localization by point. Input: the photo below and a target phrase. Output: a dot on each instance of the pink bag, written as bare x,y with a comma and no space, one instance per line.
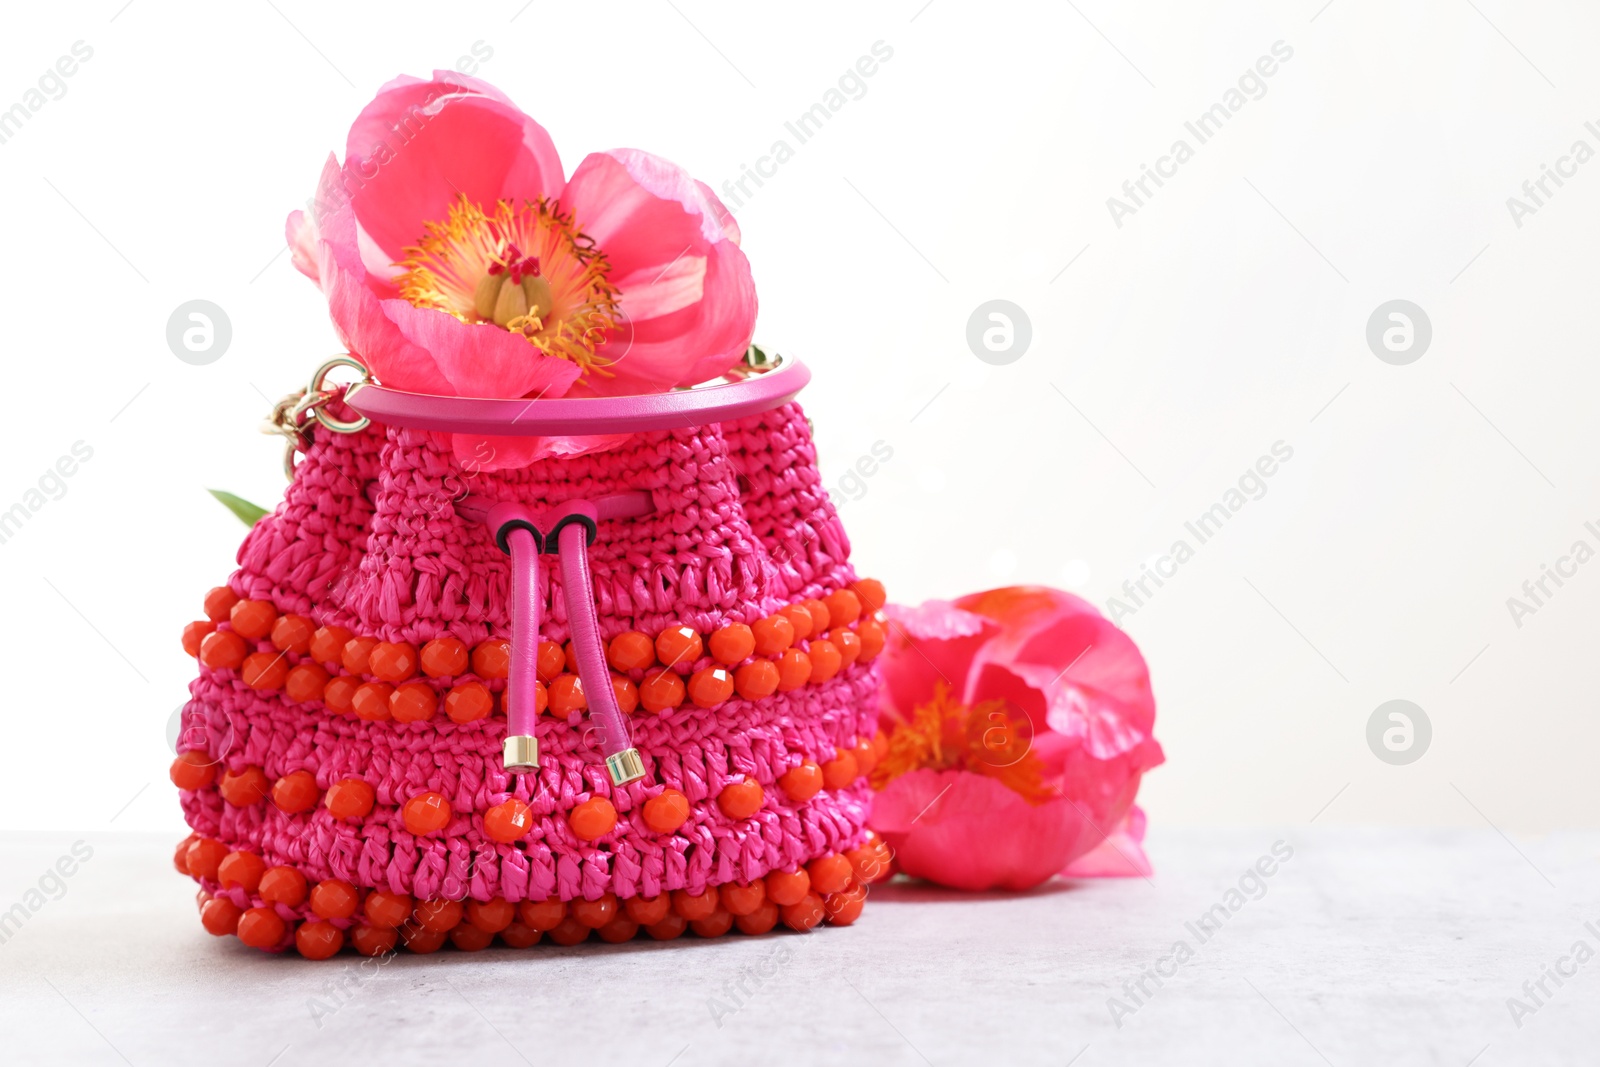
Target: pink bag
439,702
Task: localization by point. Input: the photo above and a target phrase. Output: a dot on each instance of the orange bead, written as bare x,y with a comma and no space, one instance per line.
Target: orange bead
334,899
223,650
841,771
518,935
631,651
794,670
872,639
844,608
661,691
541,698
327,644
552,661
716,924
871,594
339,695
773,634
593,819
242,869
373,940
756,679
426,813
443,657
305,683
195,633
283,885
492,658
760,921
491,916
180,858
468,938
413,702
565,695
262,928
831,873
845,908
666,811
819,615
220,916
205,856
542,915
569,932
711,687
743,899
880,745
647,911
799,618
695,905
508,821
785,888
569,653
677,647
392,661
468,702
866,756
193,770
385,909
295,792
733,644
618,930
292,633
440,916
871,861
370,701
421,940
803,914
245,787
672,926
357,654
849,645
349,799
741,799
801,783
264,670
253,619
219,602
626,692
825,660
317,940
595,913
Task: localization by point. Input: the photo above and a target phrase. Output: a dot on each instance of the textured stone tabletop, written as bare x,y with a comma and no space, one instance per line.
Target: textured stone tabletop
1342,946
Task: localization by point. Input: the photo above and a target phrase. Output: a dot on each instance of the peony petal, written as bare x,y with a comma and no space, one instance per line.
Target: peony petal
1120,855
968,831
687,299
928,644
419,144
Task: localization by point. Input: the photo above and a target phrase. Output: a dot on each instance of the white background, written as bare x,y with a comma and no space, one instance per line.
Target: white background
1227,314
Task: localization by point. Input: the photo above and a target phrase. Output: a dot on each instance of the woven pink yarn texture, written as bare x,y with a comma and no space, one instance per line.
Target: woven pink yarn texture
368,538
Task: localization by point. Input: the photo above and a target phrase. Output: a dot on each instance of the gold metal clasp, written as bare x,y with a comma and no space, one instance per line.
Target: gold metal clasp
292,416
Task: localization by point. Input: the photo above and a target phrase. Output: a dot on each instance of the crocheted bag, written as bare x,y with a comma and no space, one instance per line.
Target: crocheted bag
626,689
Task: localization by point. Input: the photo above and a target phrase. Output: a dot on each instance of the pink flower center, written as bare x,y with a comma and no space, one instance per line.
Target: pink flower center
528,270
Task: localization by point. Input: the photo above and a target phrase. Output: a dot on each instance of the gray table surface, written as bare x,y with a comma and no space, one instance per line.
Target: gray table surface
1366,947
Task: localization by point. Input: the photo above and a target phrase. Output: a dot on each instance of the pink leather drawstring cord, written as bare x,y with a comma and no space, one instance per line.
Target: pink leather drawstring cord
573,531
572,528
518,537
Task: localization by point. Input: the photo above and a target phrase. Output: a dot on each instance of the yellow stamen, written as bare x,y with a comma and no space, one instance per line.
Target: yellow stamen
986,739
526,269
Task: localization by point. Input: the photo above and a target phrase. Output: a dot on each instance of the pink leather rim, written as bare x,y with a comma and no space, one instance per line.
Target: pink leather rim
579,415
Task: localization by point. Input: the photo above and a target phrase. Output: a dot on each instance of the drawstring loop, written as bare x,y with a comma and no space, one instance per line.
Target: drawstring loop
572,528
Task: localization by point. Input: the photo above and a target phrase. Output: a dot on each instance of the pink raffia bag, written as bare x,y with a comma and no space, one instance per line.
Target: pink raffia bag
626,690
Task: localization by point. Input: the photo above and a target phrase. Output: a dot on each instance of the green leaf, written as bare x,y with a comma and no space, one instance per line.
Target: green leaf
243,510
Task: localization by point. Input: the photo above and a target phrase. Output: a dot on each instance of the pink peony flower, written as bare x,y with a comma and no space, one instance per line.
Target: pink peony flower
458,259
1019,725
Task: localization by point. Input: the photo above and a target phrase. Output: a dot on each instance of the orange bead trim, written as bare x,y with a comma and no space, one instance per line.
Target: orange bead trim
384,921
805,643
